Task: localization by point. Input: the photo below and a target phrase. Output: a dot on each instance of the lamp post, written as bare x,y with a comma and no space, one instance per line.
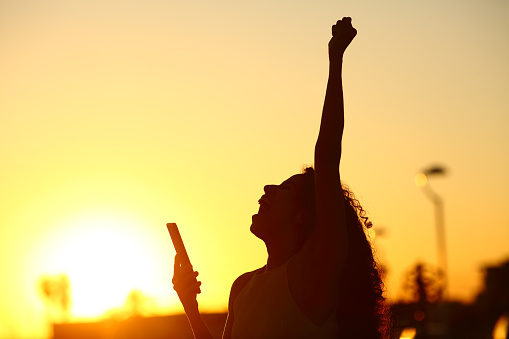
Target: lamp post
422,181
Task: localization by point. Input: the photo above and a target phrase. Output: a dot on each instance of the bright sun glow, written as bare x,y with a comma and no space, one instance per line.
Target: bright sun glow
105,256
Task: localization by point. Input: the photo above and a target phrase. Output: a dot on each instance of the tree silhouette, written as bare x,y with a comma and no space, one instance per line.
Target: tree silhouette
424,284
55,292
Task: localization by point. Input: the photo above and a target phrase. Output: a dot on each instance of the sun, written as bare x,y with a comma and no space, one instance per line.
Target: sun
105,254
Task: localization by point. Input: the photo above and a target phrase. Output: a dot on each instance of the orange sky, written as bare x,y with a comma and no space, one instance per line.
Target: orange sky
116,118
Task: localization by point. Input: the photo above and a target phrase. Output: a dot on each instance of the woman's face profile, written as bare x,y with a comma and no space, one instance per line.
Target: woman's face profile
278,208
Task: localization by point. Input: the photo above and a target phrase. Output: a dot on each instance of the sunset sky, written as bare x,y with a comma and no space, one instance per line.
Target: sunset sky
117,117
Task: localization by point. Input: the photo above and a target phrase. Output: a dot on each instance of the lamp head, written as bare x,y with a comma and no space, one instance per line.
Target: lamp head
435,170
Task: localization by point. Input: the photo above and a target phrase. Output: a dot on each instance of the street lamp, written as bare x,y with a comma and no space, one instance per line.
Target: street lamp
422,180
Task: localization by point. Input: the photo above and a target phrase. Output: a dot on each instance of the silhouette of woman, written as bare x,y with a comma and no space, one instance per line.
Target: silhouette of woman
320,280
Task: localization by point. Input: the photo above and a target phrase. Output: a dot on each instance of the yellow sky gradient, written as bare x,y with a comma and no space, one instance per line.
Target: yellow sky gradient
117,117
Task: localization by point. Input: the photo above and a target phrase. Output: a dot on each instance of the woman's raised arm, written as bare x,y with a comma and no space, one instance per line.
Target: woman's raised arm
317,267
330,234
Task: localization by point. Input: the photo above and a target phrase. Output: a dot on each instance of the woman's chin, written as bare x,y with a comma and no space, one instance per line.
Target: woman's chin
257,219
257,226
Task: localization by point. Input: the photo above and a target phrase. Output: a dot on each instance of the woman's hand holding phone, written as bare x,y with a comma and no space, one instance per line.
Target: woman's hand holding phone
184,278
185,284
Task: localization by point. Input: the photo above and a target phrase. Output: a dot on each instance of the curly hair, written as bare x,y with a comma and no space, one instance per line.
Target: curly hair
361,311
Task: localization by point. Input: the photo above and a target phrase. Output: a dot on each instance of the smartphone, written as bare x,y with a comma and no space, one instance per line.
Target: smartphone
178,243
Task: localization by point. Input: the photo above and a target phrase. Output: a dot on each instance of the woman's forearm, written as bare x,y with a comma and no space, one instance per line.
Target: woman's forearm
200,330
328,145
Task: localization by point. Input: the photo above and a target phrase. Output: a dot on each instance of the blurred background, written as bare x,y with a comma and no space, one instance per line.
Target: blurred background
117,117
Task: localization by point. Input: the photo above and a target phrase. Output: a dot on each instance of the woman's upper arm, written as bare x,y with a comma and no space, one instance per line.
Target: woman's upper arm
237,286
326,249
330,234
314,272
227,331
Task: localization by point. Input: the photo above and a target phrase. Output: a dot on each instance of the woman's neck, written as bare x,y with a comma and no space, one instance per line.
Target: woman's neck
280,252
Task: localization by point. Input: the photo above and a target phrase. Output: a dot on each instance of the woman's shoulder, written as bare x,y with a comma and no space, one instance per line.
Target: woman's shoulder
242,280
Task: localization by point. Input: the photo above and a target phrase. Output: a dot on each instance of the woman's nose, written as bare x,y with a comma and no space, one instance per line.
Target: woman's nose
269,188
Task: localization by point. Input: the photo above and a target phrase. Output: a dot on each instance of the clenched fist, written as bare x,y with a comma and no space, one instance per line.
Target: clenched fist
342,35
